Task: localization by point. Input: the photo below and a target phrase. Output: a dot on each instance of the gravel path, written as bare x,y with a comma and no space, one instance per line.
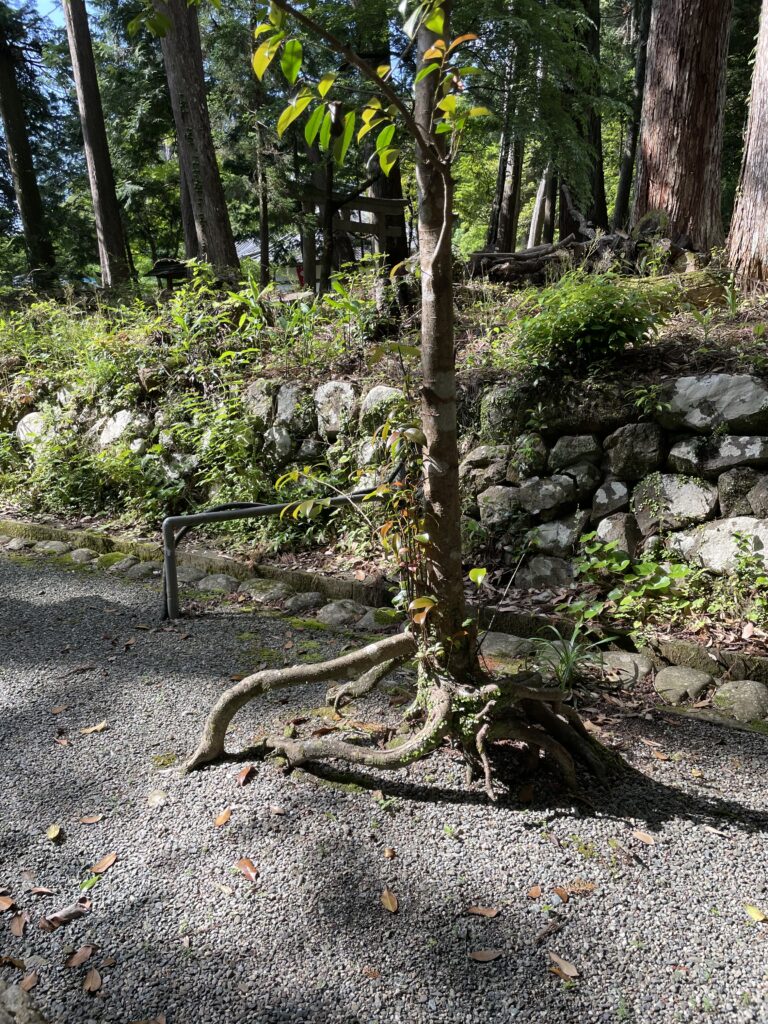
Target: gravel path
663,936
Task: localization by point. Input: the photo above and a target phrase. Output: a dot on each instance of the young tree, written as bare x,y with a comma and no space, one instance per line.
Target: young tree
106,209
182,53
456,700
13,64
681,126
748,237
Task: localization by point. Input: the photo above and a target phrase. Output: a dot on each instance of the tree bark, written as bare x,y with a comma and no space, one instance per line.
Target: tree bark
537,219
37,239
642,21
597,211
681,127
550,211
191,244
261,177
442,503
106,209
509,211
748,237
183,59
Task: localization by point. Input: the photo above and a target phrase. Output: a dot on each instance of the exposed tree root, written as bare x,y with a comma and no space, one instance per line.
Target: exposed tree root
517,709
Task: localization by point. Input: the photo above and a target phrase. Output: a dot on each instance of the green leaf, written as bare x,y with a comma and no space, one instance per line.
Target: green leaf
421,602
265,26
312,127
325,83
427,69
276,15
291,112
411,26
291,60
385,137
89,883
477,576
325,131
479,112
266,54
342,143
435,21
369,127
388,158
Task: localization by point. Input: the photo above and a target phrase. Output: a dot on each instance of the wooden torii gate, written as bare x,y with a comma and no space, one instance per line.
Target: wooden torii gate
379,226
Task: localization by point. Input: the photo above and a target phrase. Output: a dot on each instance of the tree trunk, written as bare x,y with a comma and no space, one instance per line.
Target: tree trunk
597,211
326,255
748,238
641,21
537,220
40,254
509,212
550,211
492,235
681,128
183,59
261,177
191,244
106,209
442,503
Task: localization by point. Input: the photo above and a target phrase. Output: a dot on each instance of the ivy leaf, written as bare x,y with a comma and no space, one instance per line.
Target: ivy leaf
291,60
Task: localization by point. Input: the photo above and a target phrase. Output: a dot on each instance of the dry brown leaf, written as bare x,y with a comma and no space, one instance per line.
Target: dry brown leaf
649,743
389,901
246,867
90,819
244,775
7,903
696,773
99,727
715,831
104,864
12,961
92,981
79,957
534,893
578,887
59,709
389,853
108,961
62,741
223,818
29,981
371,972
65,916
659,755
644,837
40,890
19,923
484,956
561,892
483,911
568,969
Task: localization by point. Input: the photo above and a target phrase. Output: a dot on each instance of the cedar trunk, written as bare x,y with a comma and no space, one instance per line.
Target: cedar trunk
642,20
438,389
40,254
183,59
106,209
748,238
681,129
509,211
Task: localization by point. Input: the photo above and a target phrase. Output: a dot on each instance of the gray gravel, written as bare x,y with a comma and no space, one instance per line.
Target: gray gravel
663,937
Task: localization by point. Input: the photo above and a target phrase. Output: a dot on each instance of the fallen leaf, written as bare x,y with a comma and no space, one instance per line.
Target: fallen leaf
92,981
62,741
79,957
389,901
40,890
484,956
755,913
29,981
567,969
65,916
483,911
19,923
237,677
534,893
371,972
578,887
186,942
12,961
108,961
247,868
244,774
696,773
54,833
223,818
649,743
389,853
104,864
644,837
659,755
274,809
99,727
715,831
90,819
561,892
59,709
89,883
7,903
226,889
157,798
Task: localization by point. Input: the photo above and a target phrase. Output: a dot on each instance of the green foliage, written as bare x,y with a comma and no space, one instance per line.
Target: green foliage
566,655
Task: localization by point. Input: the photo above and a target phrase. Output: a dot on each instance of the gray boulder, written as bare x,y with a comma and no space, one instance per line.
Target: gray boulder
265,592
188,575
586,477
278,444
295,410
700,403
496,406
715,545
482,479
83,555
627,666
703,457
124,564
53,547
733,490
672,502
634,451
341,613
19,544
123,425
16,1007
380,619
483,456
758,498
560,536
544,495
219,582
612,497
259,401
573,448
502,649
499,506
622,529
31,428
304,602
377,406
544,572
143,571
678,683
528,458
746,700
336,405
